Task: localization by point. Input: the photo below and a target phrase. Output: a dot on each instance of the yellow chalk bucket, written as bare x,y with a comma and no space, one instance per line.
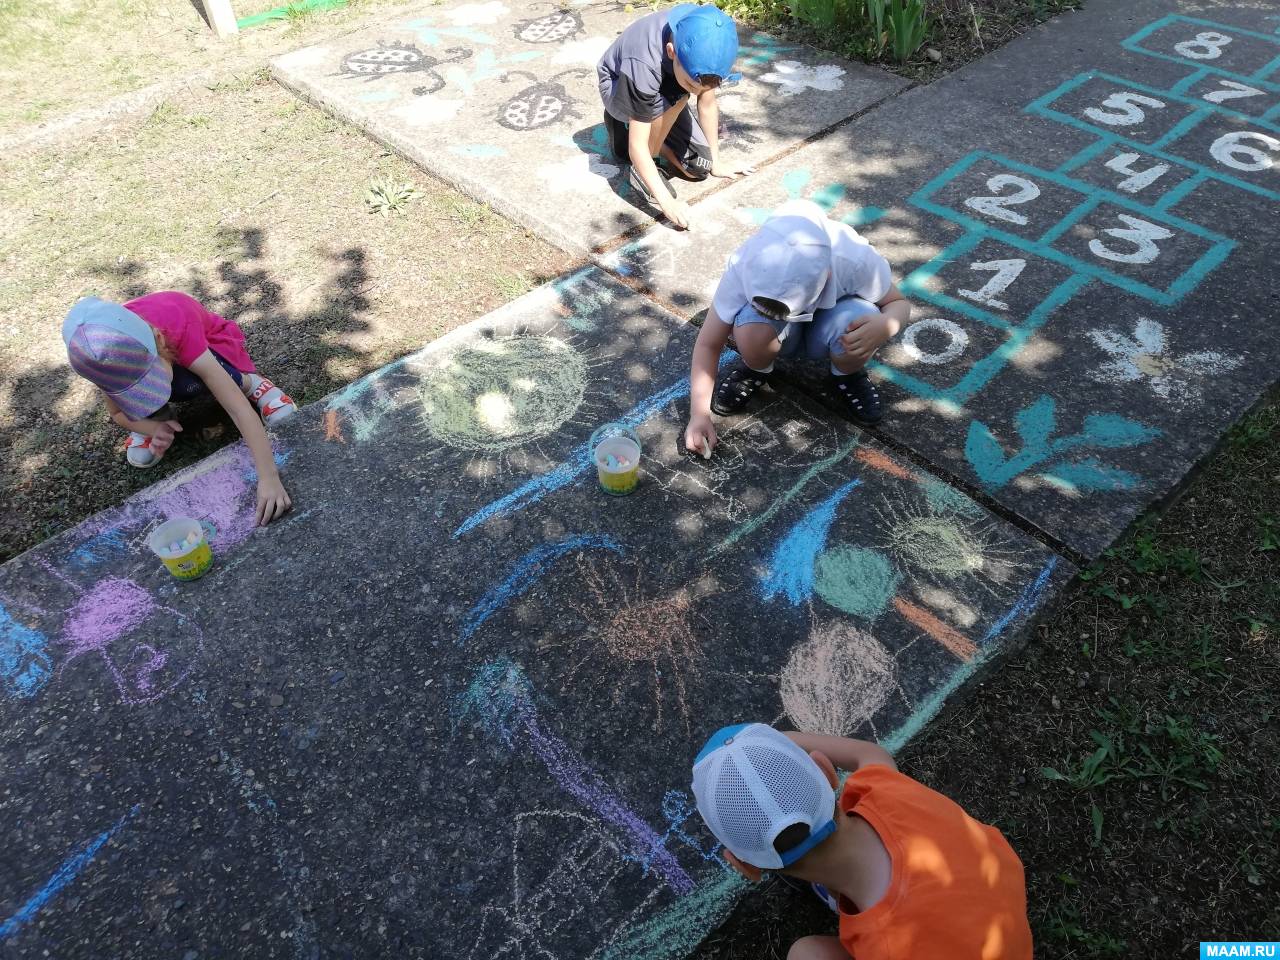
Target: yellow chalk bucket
616,452
192,556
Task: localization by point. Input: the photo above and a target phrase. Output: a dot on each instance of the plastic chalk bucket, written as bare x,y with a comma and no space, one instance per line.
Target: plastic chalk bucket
616,452
192,558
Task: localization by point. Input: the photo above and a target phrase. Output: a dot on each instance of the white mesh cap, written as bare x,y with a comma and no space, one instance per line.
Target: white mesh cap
751,783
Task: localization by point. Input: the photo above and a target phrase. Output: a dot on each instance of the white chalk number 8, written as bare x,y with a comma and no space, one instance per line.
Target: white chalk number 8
1206,46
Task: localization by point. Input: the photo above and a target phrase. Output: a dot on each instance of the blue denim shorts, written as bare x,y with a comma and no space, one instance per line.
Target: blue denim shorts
817,339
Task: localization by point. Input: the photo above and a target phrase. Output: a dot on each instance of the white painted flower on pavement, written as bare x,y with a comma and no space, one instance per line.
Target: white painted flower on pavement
427,111
1145,355
793,77
586,51
477,14
584,173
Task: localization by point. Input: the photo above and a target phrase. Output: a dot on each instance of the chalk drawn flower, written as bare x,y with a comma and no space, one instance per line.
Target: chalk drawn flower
584,173
477,14
586,51
1146,356
793,77
428,111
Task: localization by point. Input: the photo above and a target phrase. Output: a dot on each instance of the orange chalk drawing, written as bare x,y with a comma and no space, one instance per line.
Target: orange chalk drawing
333,427
884,463
948,636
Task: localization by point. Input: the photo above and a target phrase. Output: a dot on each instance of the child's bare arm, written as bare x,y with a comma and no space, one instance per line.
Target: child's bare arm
896,308
273,499
700,436
845,752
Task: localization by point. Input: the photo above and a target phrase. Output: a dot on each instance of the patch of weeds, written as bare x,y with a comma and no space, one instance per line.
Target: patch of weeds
242,83
464,210
298,14
386,196
1064,925
512,285
1268,534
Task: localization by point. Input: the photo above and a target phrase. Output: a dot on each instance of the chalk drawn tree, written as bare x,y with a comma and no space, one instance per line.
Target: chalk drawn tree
1035,425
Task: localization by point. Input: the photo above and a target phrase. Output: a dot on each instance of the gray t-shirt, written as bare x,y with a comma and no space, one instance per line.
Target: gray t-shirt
639,72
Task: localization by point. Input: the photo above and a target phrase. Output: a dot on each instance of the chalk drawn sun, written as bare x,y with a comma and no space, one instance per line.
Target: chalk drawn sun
630,630
492,395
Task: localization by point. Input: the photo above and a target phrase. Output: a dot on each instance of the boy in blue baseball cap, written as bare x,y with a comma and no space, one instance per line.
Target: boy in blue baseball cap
646,79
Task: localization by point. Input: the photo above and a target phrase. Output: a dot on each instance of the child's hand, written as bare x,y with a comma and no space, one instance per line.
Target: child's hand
273,501
163,434
700,436
864,336
677,211
721,169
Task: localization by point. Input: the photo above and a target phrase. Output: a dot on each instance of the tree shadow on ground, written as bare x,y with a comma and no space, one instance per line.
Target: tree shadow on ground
60,467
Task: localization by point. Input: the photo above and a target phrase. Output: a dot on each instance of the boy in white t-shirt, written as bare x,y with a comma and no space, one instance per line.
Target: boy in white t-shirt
801,286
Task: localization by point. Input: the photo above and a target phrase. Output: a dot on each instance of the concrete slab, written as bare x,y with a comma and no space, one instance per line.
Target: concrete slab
448,707
502,101
1084,220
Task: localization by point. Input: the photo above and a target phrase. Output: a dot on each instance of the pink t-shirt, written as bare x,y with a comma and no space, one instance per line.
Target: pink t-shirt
190,329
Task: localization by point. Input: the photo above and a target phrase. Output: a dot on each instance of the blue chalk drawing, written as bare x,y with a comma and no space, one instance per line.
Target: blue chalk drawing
478,151
65,874
857,580
281,457
25,664
928,709
578,462
796,181
1218,250
377,96
435,36
790,570
677,808
1035,425
500,702
527,571
107,545
485,66
1134,45
762,49
582,299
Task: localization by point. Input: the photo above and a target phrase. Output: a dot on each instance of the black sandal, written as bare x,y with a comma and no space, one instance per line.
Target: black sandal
735,387
859,397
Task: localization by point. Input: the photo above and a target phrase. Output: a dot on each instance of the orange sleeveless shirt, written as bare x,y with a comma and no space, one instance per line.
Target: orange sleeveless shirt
957,890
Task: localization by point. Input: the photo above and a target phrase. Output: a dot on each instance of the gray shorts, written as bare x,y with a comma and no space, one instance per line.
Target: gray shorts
686,139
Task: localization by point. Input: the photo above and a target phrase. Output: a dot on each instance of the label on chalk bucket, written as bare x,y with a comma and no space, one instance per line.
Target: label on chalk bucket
616,451
183,548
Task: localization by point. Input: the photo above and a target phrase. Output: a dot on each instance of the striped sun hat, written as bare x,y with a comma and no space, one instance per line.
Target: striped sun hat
116,350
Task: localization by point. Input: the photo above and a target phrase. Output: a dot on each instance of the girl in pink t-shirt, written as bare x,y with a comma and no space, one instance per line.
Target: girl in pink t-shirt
167,346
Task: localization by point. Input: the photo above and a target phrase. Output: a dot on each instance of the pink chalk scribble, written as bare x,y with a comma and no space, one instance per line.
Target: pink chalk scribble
106,618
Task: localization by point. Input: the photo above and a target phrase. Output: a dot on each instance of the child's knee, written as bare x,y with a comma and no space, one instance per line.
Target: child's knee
757,344
817,948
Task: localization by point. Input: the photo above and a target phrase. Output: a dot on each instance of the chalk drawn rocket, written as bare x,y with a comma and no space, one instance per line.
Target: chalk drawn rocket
539,105
555,27
399,58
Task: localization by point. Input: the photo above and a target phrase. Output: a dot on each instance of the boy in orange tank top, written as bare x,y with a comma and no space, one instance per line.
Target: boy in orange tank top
912,876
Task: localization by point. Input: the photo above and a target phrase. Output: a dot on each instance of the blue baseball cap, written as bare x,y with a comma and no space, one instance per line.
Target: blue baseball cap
706,40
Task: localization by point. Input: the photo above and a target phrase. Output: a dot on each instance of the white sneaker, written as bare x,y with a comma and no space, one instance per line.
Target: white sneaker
137,450
274,404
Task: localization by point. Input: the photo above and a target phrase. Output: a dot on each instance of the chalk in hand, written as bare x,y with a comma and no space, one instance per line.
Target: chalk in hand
706,449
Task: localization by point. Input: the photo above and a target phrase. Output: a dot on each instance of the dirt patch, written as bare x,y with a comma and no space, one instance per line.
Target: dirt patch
1132,752
256,204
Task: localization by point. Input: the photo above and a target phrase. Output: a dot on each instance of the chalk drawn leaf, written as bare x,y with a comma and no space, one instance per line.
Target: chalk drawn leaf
428,111
983,452
829,196
584,174
1090,474
1109,430
792,77
586,51
1035,423
477,14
